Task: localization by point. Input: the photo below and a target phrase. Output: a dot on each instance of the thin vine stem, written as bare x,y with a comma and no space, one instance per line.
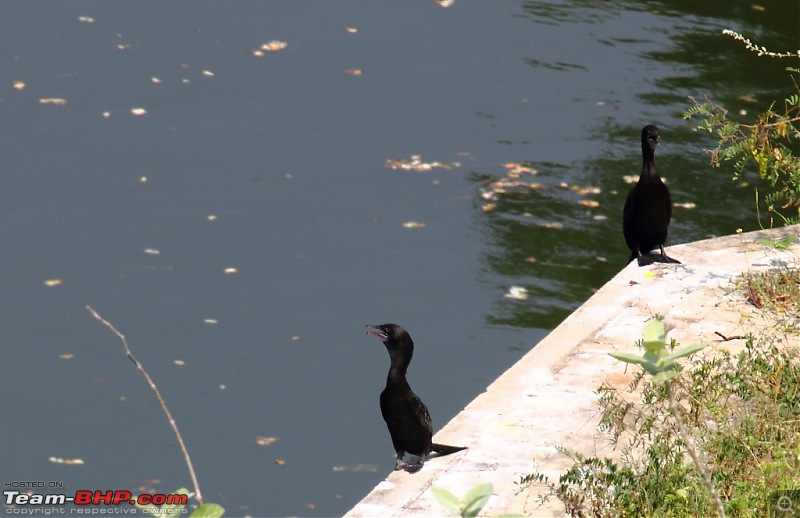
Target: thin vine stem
689,445
197,494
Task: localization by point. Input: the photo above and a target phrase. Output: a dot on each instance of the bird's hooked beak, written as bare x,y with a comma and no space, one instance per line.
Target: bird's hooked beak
377,333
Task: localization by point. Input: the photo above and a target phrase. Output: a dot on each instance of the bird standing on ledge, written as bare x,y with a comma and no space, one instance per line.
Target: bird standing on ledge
648,208
405,414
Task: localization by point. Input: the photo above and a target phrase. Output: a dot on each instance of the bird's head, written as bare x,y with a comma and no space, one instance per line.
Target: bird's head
393,336
650,137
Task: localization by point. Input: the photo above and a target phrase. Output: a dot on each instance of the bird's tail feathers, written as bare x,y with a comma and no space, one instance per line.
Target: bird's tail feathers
440,450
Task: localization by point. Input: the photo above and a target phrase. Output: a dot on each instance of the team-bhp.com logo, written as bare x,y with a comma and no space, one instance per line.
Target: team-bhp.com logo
21,500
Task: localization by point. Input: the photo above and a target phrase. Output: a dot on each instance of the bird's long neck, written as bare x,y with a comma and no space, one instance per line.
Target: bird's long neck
648,162
400,361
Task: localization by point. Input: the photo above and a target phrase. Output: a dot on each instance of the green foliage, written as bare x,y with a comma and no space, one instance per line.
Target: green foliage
472,503
779,244
656,361
767,143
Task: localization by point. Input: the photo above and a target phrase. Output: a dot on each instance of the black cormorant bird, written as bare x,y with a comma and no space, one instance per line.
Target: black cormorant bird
648,208
405,414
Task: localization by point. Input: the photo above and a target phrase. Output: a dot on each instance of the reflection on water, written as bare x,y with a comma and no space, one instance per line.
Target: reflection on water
243,229
548,240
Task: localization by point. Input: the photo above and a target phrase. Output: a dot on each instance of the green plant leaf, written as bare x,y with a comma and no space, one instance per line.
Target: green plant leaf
656,353
629,358
646,363
665,375
447,499
209,510
655,330
686,351
476,498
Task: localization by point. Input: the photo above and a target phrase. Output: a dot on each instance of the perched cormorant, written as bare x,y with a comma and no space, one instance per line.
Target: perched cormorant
405,414
648,208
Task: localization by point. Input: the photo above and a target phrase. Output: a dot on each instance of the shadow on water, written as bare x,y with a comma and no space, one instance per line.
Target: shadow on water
274,166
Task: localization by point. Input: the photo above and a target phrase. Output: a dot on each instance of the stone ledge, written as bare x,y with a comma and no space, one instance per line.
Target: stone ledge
547,398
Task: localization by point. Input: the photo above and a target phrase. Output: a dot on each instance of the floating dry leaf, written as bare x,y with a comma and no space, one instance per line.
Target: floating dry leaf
517,169
230,271
138,111
56,101
212,217
516,293
59,460
416,164
151,251
583,190
263,440
143,179
155,80
589,203
630,178
414,224
686,205
354,71
86,19
280,462
179,363
18,85
296,338
488,207
351,30
54,282
211,321
274,46
208,73
106,115
550,224
66,356
502,186
445,3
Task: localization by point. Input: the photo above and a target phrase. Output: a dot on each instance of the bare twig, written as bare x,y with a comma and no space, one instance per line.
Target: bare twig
161,401
779,123
729,338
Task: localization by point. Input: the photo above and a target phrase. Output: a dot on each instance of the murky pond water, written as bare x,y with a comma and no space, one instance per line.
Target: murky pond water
242,229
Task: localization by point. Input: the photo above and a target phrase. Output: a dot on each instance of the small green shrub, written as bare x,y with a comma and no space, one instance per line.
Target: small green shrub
743,415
